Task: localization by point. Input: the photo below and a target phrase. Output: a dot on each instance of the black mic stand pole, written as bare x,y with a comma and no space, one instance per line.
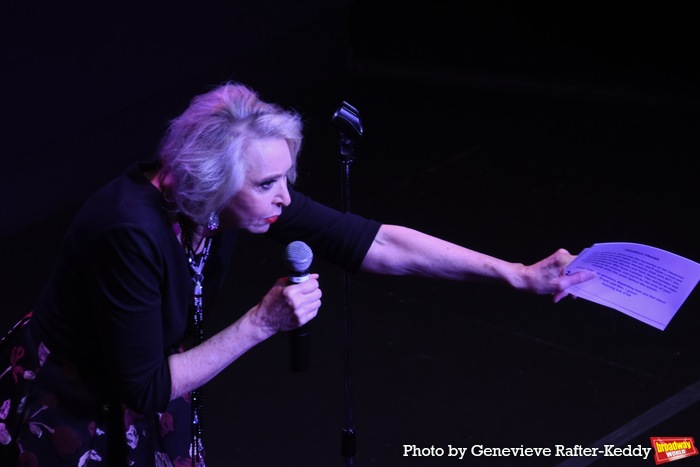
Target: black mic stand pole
347,118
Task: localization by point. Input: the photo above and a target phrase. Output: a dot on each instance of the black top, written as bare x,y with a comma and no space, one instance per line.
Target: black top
118,302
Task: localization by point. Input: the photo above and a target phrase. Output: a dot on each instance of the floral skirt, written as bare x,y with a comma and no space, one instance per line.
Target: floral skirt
46,419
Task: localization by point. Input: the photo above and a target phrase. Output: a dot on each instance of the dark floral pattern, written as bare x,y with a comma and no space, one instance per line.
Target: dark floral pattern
39,429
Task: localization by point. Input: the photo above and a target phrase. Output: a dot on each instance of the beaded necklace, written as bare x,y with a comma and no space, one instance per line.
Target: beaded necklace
196,263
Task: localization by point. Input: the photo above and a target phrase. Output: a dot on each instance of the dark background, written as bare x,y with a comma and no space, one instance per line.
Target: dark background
509,128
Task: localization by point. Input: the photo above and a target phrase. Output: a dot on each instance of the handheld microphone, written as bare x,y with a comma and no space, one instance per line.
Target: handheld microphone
298,257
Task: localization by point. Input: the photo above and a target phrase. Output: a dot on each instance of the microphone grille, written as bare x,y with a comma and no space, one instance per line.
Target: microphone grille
298,256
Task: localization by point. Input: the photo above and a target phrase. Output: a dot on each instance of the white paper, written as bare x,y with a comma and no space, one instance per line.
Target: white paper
641,281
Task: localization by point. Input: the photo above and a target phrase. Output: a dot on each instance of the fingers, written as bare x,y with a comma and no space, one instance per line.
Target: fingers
572,279
303,300
549,275
567,281
579,277
561,258
557,297
286,307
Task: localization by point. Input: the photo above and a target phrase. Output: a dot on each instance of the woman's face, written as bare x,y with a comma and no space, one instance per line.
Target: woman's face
264,192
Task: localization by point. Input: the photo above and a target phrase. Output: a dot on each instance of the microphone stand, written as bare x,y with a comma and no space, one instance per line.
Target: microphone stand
347,118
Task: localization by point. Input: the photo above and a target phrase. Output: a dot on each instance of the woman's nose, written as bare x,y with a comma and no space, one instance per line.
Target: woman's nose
283,197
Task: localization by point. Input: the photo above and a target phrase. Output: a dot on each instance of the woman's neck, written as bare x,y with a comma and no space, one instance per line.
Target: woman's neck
190,235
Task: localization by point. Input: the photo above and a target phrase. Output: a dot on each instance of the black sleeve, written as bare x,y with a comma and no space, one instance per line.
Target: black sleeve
127,305
342,238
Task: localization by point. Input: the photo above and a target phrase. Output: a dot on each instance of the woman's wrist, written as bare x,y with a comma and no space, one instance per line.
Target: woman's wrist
257,324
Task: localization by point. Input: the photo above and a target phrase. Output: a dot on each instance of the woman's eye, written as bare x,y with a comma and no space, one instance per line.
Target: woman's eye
267,184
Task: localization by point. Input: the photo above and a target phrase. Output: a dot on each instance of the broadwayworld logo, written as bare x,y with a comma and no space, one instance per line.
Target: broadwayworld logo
672,449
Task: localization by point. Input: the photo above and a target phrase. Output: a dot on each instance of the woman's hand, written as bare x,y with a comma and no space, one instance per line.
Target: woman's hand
549,275
288,306
283,308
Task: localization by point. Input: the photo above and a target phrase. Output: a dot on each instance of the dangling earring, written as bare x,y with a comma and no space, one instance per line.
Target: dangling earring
213,221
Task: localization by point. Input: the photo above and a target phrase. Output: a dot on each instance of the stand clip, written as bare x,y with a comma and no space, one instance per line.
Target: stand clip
347,119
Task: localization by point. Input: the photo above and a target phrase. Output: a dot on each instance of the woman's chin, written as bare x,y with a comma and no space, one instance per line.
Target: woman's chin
258,228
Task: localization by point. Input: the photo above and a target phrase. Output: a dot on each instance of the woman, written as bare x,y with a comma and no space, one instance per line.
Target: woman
108,365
